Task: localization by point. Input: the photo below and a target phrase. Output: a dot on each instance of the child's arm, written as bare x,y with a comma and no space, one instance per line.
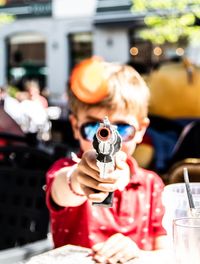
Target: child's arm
85,181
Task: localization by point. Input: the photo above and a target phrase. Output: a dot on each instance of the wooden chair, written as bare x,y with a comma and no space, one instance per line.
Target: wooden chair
175,173
24,217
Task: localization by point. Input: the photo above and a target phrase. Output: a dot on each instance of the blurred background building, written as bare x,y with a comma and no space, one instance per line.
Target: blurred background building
48,37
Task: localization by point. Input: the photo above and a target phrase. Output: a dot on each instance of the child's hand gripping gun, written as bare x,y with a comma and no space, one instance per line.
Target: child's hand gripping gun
106,142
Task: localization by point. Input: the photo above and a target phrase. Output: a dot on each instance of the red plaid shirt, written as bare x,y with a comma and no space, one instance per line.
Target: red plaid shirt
137,212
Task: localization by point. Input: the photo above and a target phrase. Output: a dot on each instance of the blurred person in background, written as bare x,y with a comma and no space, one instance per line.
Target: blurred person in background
29,109
33,89
7,123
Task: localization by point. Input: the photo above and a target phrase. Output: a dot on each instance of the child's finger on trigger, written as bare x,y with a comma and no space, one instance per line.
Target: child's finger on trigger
90,159
90,182
87,170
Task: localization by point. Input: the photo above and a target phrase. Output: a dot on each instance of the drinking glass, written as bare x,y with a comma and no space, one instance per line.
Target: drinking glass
186,240
176,203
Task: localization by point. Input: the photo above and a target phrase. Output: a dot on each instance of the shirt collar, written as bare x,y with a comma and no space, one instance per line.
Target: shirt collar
135,179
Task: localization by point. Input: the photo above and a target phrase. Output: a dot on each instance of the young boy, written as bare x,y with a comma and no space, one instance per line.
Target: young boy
132,227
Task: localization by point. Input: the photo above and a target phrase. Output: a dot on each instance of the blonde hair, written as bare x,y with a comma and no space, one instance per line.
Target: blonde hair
126,91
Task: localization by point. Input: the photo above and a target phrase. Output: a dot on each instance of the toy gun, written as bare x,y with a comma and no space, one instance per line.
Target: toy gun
106,142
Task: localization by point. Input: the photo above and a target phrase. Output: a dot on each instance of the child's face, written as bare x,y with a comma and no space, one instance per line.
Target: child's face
118,117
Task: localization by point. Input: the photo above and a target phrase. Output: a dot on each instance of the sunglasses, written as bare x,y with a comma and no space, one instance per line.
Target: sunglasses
126,131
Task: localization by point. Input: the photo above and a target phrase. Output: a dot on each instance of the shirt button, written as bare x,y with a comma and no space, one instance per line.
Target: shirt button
141,194
95,214
131,220
157,210
147,206
103,227
156,186
91,236
115,199
124,229
144,218
143,241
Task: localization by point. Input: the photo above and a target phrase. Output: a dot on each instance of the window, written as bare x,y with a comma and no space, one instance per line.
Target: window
26,58
80,47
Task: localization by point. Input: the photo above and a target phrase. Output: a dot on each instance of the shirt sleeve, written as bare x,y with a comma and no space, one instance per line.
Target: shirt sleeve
158,209
50,176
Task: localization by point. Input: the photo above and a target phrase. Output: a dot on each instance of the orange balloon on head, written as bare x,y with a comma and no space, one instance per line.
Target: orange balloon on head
88,81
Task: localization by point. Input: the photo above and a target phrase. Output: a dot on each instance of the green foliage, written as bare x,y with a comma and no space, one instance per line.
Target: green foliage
6,18
12,91
168,20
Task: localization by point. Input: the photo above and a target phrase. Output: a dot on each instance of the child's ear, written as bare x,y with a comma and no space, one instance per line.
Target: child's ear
74,125
143,127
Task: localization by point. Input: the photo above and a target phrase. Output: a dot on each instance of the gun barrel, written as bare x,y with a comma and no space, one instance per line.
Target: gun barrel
103,133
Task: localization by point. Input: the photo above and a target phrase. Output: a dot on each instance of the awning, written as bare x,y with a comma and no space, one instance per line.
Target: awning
116,12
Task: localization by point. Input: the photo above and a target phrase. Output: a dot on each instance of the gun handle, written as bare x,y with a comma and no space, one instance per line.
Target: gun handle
107,202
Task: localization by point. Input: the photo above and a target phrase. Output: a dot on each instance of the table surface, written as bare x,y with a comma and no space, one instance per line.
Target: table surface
70,254
66,254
